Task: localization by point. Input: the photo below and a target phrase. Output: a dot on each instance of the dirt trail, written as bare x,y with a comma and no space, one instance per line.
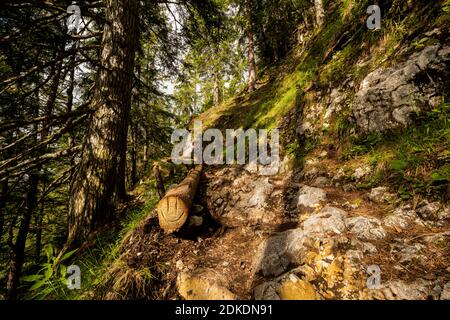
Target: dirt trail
293,237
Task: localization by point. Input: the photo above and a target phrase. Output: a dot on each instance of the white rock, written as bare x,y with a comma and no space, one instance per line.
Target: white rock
412,253
340,174
321,182
266,291
400,290
366,228
400,218
362,172
275,254
310,197
380,195
327,220
429,211
262,190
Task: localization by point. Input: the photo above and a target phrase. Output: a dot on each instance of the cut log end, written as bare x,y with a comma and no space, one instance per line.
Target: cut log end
173,213
173,209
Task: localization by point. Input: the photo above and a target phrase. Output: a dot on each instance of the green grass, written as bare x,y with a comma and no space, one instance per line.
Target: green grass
416,160
95,260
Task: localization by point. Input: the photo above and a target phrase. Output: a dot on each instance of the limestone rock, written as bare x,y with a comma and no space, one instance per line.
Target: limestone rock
388,97
327,220
434,211
380,195
400,290
339,175
278,252
310,197
321,182
296,289
400,218
266,291
243,199
262,190
286,287
361,172
204,286
366,228
411,254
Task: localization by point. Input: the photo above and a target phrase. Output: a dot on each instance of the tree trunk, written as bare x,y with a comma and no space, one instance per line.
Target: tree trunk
70,90
38,227
134,174
145,156
3,192
95,186
159,181
173,209
18,248
216,88
251,61
320,13
121,191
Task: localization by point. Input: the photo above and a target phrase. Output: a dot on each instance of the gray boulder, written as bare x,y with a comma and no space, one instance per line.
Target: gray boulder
328,220
277,253
388,97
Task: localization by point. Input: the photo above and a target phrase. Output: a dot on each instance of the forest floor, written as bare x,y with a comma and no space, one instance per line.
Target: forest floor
234,258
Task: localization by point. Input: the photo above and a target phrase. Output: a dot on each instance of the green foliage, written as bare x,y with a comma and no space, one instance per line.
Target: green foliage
417,159
213,66
274,22
446,6
52,277
361,146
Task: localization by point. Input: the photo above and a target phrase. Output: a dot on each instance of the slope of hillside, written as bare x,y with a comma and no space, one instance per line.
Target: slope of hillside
364,117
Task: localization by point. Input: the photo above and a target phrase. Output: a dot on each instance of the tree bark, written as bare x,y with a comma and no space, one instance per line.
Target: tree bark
70,90
320,13
3,192
38,232
159,181
95,186
134,173
251,58
18,248
145,155
216,89
173,209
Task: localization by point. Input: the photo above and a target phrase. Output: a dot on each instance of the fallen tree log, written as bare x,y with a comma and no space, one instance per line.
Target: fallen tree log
173,209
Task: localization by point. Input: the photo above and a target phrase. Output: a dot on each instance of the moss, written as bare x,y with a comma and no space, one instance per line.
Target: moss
415,160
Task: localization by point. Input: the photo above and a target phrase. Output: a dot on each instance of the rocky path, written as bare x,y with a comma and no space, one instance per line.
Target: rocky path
282,239
297,236
314,234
